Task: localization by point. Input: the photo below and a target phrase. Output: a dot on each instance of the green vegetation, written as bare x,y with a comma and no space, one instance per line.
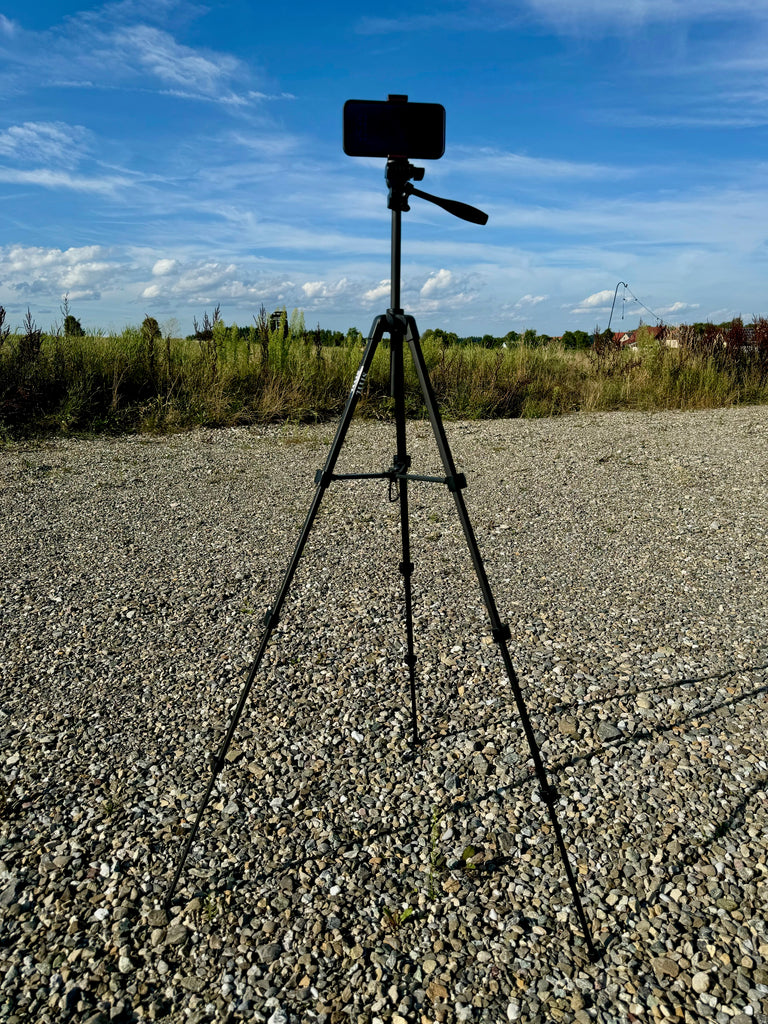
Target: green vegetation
146,379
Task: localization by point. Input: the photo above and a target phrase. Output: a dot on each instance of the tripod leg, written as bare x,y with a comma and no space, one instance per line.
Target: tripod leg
499,631
272,617
401,464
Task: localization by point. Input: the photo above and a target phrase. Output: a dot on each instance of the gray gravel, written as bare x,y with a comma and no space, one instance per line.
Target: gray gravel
336,878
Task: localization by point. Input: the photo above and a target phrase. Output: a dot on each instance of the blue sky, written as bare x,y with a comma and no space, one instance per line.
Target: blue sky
161,157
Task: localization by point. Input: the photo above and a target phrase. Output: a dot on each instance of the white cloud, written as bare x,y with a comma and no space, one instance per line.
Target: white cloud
7,27
598,300
381,291
437,282
324,290
677,307
313,288
82,272
530,300
163,267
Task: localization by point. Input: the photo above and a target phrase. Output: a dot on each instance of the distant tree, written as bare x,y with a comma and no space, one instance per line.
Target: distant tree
442,337
73,327
576,339
150,330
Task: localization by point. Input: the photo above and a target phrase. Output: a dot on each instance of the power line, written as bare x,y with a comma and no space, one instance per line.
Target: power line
654,315
623,299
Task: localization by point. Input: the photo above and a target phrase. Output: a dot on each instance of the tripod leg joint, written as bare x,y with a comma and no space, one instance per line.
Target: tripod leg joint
456,483
323,478
406,568
501,633
410,660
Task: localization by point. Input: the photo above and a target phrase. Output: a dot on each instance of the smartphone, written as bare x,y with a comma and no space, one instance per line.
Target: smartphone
394,128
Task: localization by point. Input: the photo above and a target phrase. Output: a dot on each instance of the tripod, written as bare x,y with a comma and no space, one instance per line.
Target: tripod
401,330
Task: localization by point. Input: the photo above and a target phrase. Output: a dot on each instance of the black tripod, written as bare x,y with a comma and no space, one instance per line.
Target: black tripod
401,330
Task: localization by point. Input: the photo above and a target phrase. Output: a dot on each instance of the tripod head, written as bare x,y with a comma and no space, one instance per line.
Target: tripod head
398,129
398,175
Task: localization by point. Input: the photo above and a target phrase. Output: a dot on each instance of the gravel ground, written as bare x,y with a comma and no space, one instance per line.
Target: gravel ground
336,877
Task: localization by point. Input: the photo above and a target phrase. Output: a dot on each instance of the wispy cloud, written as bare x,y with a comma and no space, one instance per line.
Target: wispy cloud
595,15
528,301
51,155
51,179
114,46
565,17
486,160
442,20
45,142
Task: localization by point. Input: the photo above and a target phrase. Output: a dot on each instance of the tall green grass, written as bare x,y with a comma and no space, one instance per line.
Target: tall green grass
135,381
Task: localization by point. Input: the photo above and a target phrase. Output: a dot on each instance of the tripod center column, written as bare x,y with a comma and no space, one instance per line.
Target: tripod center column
394,286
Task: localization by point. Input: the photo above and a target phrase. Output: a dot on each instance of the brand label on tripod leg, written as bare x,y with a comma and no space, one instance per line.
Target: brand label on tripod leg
357,386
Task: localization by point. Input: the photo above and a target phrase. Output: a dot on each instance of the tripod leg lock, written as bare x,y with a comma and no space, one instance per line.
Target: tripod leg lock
501,633
410,660
271,619
456,483
406,568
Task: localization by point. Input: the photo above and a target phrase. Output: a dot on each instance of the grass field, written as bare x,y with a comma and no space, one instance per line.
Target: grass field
139,380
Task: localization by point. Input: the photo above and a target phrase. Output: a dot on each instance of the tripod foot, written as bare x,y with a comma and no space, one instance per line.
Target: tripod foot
414,748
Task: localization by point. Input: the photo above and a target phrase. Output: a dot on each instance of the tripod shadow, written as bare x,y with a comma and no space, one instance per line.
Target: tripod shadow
343,838
688,858
677,863
690,681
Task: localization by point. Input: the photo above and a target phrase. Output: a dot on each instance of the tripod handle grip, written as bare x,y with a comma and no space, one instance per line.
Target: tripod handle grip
461,210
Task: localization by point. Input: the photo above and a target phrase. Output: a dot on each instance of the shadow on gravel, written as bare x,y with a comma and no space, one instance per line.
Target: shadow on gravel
692,681
687,858
679,856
